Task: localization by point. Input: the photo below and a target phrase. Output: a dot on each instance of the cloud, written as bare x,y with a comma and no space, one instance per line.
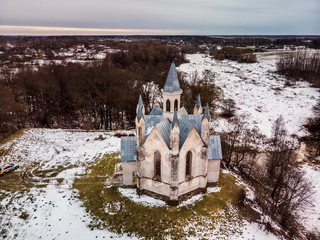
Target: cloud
197,16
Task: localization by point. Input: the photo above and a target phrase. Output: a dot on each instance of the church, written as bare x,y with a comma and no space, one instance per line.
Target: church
172,155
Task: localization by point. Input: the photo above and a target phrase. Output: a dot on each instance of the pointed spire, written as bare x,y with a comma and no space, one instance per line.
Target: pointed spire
175,119
140,113
198,104
172,82
206,113
140,103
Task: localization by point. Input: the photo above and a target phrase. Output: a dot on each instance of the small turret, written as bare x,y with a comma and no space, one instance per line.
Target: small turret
205,125
198,108
140,103
175,134
140,122
206,113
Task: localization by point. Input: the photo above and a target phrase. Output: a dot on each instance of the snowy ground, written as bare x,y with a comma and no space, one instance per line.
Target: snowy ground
258,92
311,214
50,159
53,210
50,208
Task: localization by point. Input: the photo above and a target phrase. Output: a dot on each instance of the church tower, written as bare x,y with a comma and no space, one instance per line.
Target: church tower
171,93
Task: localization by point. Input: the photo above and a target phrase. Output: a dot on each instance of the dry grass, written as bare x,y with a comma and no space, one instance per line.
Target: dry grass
120,215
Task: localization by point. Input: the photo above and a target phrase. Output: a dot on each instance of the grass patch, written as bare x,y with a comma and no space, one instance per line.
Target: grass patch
118,214
51,172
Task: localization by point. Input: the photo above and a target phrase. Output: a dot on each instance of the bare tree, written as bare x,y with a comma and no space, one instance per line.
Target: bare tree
232,137
228,108
286,190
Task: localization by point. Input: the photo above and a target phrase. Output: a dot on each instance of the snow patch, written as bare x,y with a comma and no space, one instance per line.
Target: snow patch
145,200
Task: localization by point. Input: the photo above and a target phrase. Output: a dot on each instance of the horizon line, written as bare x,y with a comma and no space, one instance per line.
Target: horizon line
15,30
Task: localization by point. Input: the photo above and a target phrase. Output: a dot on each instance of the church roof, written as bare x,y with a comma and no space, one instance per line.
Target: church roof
175,119
128,149
183,111
214,150
164,128
152,120
185,129
156,111
195,120
172,82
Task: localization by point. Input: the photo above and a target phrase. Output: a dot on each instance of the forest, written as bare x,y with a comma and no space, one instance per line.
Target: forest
97,95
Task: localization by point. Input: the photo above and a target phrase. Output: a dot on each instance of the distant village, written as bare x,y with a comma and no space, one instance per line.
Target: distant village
33,52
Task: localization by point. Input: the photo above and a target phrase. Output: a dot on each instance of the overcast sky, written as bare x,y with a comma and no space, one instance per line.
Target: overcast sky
214,17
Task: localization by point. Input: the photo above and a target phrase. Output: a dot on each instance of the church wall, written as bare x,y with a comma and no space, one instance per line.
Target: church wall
193,143
155,186
199,163
146,171
193,184
128,168
213,171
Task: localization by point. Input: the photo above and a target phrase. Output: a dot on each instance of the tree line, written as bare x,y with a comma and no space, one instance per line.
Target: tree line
240,55
301,65
96,95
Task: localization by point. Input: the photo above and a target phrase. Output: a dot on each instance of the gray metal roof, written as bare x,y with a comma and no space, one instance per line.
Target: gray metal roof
195,120
156,111
140,100
128,149
183,111
172,82
175,119
198,104
164,128
214,150
152,120
185,129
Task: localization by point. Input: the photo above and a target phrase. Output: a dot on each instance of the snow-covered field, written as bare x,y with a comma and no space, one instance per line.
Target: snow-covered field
50,209
50,159
54,211
258,91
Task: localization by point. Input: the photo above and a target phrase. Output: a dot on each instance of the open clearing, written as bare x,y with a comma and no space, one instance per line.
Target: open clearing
60,192
259,93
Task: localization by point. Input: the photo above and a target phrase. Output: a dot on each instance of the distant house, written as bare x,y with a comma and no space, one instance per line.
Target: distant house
172,155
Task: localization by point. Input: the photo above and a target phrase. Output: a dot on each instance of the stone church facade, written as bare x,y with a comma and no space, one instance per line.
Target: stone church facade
172,155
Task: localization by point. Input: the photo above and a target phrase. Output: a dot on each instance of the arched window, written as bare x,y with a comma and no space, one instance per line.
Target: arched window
188,163
157,165
176,105
168,105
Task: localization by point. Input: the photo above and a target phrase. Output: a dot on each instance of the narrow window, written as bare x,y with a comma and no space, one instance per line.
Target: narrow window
176,105
157,165
188,163
140,135
168,105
